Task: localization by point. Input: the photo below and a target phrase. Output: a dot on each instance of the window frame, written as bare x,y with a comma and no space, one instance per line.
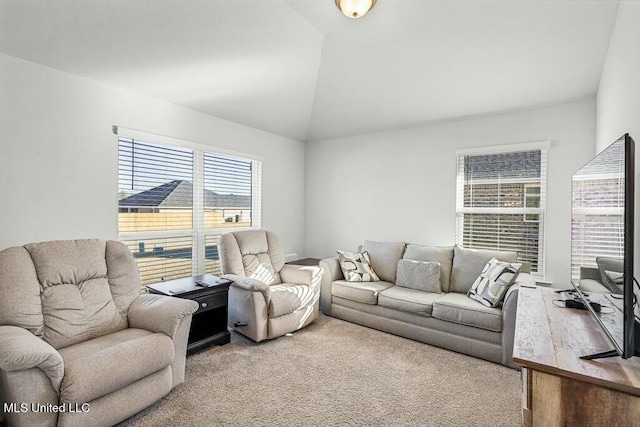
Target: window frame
461,210
198,232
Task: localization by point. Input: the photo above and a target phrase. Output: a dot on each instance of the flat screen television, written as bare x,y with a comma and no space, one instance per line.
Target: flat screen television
602,227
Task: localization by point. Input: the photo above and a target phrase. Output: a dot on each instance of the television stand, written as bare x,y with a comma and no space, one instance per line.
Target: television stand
558,386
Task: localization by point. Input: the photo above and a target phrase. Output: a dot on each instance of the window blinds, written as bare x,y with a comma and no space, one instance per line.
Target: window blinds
175,202
227,191
161,259
597,218
500,203
154,187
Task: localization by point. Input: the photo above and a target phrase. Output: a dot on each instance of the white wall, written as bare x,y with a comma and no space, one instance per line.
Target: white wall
401,185
618,100
59,164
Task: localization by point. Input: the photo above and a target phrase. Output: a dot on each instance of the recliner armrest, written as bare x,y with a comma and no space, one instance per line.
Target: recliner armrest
302,275
21,350
247,283
159,313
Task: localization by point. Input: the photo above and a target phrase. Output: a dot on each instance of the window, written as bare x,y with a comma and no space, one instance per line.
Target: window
597,220
174,202
500,201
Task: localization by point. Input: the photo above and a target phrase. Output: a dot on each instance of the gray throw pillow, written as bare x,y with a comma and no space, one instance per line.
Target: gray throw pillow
419,275
441,254
356,267
494,281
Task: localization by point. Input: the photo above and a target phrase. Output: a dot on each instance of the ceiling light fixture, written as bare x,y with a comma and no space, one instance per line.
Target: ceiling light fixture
355,8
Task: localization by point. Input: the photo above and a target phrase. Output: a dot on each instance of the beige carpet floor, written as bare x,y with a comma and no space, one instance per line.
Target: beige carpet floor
337,373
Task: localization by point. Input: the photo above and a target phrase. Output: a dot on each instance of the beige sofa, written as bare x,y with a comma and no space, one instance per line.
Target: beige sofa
76,335
449,319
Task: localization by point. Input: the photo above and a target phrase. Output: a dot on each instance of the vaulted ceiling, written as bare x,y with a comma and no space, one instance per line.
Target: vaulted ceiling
300,69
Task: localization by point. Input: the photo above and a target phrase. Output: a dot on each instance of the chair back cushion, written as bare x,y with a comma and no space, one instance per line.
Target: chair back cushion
252,253
85,288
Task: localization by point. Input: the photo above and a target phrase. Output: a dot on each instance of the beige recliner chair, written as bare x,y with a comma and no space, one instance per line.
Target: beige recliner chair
76,334
267,298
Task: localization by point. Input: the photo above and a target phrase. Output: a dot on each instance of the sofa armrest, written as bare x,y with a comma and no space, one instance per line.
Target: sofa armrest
331,273
302,275
159,313
509,308
21,350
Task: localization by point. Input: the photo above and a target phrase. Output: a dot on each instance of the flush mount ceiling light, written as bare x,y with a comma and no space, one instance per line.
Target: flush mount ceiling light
355,8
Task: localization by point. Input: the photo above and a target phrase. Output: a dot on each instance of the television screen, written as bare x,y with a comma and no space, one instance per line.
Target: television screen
602,241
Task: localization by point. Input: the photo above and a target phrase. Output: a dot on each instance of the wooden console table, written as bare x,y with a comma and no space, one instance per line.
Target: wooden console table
559,388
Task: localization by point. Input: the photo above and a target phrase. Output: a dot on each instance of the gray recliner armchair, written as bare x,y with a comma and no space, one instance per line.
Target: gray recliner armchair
76,334
267,298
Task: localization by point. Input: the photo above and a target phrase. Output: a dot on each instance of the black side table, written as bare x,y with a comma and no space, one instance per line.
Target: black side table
209,323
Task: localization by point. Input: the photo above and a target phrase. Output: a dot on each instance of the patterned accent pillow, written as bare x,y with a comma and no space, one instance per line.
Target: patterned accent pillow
494,281
356,267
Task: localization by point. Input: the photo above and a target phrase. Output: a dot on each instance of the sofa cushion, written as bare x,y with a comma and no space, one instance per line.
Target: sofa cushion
441,254
366,292
458,308
419,275
287,298
469,263
384,258
491,286
356,267
409,300
102,365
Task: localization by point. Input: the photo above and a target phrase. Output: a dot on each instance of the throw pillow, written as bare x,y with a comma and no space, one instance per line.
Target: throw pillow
440,254
469,263
356,267
419,275
492,284
611,270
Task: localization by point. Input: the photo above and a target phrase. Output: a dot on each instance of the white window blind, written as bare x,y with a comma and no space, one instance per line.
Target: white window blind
175,202
501,203
154,187
597,224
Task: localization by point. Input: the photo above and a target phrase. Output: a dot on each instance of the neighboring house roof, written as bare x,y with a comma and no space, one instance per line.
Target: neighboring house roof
180,194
